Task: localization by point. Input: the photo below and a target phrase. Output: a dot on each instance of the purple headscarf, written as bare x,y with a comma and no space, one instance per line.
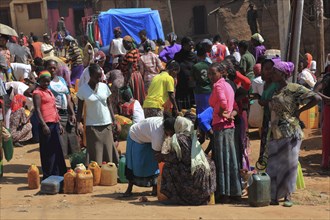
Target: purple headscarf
285,67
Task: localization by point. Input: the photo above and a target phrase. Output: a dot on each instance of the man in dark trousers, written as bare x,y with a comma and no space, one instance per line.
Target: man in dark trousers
252,16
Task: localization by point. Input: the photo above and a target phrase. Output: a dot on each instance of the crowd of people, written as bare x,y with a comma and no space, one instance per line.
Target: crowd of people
66,96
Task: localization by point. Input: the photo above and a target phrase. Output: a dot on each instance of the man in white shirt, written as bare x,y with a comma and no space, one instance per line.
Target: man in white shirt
21,71
47,48
305,76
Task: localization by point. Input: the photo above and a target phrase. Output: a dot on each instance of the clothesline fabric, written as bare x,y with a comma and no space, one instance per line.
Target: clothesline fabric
92,29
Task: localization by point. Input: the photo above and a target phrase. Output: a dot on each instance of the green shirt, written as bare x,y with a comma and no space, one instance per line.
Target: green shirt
247,63
199,74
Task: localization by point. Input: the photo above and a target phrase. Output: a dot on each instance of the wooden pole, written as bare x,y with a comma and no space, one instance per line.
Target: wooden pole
294,48
320,56
169,5
283,8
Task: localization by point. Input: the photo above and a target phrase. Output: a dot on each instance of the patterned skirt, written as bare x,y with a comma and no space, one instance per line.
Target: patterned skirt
282,166
137,86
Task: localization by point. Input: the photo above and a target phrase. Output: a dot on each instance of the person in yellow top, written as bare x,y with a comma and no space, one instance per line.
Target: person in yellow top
161,88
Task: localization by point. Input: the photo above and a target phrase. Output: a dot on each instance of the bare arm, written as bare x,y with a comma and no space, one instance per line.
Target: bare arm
28,92
172,99
79,129
70,109
316,98
37,104
112,115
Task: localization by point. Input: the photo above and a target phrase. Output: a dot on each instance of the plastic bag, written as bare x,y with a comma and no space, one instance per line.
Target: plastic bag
256,115
77,158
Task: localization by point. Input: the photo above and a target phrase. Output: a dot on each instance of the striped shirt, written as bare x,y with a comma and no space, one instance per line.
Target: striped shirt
75,55
131,56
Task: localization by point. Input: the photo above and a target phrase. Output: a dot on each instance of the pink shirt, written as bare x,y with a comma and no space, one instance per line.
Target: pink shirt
47,106
222,97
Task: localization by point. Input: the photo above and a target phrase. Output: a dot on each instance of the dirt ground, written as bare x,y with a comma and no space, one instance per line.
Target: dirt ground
18,202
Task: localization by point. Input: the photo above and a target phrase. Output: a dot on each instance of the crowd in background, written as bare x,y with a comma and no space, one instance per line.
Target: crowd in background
64,95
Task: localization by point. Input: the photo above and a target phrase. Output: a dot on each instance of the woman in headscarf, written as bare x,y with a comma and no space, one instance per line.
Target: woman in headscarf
258,49
222,100
129,68
286,132
188,177
51,154
184,89
167,54
20,127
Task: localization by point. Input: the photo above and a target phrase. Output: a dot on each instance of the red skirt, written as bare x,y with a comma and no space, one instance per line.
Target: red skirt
326,136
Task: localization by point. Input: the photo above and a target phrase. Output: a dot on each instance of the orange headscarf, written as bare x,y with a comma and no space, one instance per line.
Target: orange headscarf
309,59
17,102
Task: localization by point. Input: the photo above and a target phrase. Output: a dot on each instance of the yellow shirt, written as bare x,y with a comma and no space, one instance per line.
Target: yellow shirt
158,90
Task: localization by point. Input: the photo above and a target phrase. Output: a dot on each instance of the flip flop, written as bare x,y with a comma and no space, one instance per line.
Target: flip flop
288,204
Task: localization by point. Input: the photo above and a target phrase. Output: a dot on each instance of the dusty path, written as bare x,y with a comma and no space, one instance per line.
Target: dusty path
17,202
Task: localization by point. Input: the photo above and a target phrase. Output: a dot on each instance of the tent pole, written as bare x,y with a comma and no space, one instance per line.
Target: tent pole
171,14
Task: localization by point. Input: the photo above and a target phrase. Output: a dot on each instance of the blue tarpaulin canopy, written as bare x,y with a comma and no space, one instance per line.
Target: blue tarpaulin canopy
131,21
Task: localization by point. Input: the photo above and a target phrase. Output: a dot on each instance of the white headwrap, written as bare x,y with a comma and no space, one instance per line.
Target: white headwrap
185,126
258,38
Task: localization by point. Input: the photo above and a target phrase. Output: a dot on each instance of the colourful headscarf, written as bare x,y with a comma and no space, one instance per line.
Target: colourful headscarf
285,67
128,39
258,38
309,59
43,74
17,102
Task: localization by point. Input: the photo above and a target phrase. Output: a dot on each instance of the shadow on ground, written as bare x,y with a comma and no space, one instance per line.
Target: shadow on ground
17,168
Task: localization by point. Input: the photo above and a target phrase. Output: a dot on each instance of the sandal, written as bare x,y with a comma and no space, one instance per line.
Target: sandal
288,203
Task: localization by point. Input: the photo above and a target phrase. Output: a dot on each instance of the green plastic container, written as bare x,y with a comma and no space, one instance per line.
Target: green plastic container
259,190
8,148
121,169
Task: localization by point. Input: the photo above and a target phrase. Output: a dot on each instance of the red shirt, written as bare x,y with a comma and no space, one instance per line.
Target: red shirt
37,49
47,106
243,81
